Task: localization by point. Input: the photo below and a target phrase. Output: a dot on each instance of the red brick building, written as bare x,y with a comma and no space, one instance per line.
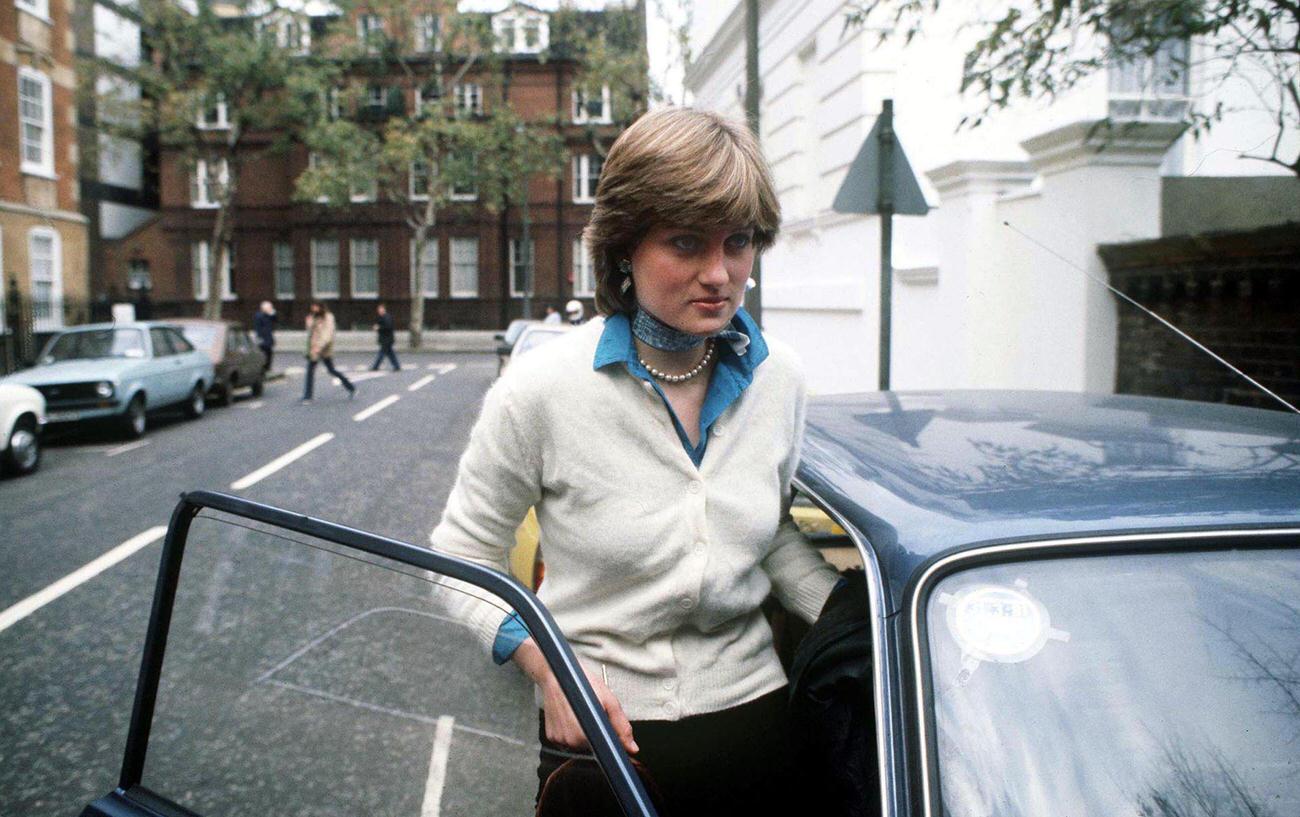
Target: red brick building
357,256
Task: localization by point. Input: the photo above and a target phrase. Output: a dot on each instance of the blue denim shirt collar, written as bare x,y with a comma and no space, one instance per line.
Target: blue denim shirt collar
740,353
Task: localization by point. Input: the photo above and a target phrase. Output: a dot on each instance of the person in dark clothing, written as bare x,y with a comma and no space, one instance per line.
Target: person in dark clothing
264,328
384,326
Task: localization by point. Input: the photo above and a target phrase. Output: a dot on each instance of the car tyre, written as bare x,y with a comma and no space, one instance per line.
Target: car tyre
133,419
22,453
258,385
198,402
225,392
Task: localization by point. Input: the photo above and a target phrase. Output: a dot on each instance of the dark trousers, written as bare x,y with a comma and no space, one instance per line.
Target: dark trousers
733,762
386,351
266,358
329,366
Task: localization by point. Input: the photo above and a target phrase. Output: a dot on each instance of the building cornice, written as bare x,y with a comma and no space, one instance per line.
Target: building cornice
723,40
37,212
993,177
1097,142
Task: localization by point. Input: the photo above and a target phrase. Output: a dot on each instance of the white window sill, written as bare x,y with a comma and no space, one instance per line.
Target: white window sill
419,197
42,172
460,197
319,295
204,205
206,127
44,18
361,200
584,201
365,296
464,295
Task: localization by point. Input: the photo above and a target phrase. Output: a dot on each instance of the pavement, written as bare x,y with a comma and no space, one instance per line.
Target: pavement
364,341
297,679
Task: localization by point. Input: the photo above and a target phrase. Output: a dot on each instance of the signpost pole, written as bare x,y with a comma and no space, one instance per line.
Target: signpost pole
885,207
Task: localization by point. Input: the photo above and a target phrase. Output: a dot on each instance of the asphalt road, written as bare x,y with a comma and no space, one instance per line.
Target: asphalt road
297,681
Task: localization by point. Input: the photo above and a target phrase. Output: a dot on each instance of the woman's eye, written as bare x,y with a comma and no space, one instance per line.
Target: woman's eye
686,243
739,241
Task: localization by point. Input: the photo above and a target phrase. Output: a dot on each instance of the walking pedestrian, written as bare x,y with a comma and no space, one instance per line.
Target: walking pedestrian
660,549
573,311
384,327
552,315
320,349
264,328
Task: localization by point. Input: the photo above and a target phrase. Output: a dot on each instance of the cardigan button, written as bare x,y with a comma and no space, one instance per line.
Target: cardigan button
693,487
717,430
670,684
686,602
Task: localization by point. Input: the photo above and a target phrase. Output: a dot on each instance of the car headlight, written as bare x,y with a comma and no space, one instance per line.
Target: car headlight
104,389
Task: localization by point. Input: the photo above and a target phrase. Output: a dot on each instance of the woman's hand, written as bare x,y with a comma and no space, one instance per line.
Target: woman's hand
562,725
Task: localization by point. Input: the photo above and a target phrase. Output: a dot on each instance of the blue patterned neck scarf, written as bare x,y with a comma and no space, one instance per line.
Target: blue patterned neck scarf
654,332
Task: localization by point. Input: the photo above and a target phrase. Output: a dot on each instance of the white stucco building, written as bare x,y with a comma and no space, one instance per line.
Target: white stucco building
989,289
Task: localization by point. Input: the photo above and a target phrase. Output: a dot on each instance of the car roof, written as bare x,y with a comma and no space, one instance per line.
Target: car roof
923,473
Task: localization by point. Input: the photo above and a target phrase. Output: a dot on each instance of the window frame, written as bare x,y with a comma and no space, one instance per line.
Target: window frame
412,175
515,244
452,260
278,268
200,191
370,38
44,167
428,33
427,293
40,9
584,184
583,270
199,278
580,114
471,92
316,291
223,116
354,265
55,319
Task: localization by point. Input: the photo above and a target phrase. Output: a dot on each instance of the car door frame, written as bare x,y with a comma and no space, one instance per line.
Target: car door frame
131,799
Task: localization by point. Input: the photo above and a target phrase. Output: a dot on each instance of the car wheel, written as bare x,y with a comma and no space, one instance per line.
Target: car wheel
198,401
257,386
133,419
22,454
224,392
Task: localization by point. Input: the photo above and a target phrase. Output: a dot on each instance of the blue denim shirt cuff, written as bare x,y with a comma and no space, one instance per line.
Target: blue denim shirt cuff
510,635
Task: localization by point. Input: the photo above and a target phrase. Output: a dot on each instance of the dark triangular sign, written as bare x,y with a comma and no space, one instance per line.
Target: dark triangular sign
861,189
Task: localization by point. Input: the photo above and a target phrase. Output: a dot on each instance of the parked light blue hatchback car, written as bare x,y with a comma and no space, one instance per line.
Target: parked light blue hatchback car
118,372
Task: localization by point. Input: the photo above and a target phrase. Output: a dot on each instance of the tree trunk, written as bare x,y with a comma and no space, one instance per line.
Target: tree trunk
422,227
216,257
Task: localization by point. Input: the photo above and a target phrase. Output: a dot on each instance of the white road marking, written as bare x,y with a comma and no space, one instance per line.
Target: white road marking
78,577
281,461
441,368
376,408
421,383
256,404
122,449
432,806
288,370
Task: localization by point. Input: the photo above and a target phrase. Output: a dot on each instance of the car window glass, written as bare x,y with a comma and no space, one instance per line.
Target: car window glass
204,337
96,343
178,341
162,345
245,341
1145,684
302,678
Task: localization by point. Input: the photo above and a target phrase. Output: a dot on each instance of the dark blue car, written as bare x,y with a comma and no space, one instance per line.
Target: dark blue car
1083,605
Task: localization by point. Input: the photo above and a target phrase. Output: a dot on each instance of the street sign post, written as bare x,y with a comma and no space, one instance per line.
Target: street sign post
881,180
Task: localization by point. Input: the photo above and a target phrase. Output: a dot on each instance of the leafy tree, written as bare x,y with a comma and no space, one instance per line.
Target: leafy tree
416,156
609,50
216,91
1034,48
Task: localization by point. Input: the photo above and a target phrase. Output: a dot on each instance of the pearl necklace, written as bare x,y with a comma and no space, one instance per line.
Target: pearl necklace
679,378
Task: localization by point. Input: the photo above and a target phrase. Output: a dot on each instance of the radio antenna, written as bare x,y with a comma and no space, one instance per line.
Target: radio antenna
1180,332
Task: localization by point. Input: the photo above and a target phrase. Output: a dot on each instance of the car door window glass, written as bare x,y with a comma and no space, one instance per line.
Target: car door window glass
162,345
178,341
1153,685
303,678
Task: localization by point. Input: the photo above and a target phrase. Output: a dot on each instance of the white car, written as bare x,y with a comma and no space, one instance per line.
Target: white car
22,418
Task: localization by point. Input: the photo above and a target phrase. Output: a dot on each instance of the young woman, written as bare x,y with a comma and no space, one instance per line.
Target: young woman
658,449
320,348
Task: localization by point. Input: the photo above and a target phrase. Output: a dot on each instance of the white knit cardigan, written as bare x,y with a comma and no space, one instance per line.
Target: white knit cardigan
655,569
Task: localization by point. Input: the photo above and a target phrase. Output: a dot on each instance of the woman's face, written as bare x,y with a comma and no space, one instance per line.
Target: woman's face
691,279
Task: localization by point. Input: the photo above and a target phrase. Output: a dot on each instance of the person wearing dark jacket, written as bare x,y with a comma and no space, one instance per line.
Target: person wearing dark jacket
264,328
384,326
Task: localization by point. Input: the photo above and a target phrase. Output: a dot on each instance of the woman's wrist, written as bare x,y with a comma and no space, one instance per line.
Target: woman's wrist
531,661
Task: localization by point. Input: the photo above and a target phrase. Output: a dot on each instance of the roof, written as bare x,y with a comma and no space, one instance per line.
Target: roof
923,473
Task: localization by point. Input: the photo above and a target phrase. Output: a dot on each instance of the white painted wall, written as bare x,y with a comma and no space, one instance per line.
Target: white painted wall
976,304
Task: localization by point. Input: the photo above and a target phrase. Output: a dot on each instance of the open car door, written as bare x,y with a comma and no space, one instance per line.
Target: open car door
313,668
